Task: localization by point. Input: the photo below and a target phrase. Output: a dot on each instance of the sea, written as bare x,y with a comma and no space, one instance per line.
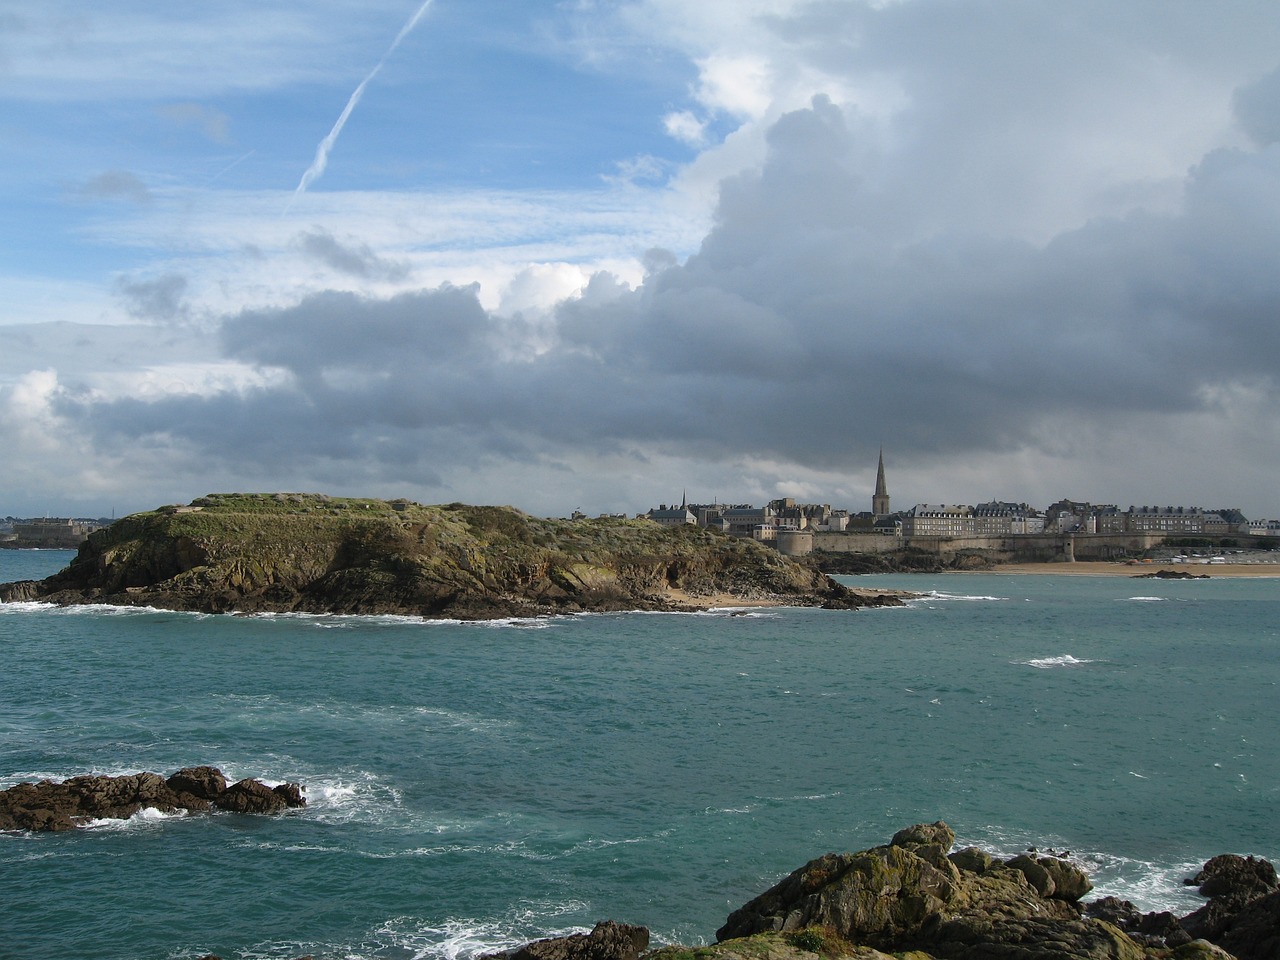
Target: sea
473,786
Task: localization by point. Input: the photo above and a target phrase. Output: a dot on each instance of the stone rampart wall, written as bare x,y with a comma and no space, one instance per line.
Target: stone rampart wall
1028,547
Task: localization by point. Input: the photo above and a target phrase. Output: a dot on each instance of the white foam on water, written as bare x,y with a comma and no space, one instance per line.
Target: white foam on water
352,797
1146,599
939,596
1049,663
465,721
1148,885
25,606
464,938
145,818
92,609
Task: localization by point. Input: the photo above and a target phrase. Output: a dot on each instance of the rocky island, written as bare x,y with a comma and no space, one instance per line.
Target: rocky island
50,806
310,553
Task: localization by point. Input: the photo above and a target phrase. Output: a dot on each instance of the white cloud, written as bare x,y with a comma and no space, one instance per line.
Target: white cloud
682,125
737,85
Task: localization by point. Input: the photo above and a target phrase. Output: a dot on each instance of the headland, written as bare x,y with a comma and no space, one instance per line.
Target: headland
310,553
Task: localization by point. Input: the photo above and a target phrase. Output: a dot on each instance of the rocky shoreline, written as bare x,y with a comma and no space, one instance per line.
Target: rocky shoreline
309,553
50,806
915,898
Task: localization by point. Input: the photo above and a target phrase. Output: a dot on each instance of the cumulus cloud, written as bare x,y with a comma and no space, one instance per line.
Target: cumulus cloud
803,309
682,125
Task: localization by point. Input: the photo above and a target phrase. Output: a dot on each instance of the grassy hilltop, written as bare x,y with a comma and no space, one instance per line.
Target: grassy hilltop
314,553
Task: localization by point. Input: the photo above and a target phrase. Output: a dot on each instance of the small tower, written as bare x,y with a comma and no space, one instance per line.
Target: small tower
880,499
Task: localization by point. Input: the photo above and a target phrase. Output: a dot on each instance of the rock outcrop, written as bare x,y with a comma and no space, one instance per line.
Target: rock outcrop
609,940
914,897
315,554
50,806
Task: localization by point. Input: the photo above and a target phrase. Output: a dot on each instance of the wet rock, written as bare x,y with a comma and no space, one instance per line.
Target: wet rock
254,796
52,806
609,940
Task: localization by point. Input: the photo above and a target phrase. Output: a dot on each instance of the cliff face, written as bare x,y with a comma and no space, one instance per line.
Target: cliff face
312,553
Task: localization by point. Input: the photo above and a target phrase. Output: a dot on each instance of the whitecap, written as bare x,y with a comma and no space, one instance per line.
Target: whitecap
1048,663
1149,885
1147,599
145,817
940,596
463,938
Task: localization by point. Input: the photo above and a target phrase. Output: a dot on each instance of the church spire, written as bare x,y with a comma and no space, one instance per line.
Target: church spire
880,499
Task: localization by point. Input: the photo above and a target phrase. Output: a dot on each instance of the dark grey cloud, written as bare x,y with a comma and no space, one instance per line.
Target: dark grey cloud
356,260
162,299
793,324
1257,108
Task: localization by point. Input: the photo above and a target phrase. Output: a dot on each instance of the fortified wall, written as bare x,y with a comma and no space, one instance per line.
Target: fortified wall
1029,547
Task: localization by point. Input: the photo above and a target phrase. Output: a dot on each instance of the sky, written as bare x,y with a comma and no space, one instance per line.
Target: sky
606,254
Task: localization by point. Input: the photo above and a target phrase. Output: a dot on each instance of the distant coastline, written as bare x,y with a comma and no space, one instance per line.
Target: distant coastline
1102,568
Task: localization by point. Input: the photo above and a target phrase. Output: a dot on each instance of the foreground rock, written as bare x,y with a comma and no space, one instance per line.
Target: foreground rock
315,554
47,805
917,899
914,894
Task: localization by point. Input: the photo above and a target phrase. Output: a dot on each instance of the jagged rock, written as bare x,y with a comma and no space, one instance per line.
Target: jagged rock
1052,877
1235,877
1254,932
609,940
925,834
911,895
254,796
973,860
51,806
197,787
1243,912
1032,938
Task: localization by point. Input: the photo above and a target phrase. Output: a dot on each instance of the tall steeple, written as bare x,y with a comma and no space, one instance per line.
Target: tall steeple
880,499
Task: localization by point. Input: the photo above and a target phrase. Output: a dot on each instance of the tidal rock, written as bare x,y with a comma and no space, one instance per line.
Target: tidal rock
197,787
609,940
254,796
51,806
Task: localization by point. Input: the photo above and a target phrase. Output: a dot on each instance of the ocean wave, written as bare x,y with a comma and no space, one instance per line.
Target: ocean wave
145,818
351,621
93,609
1049,663
463,938
1149,885
1146,599
939,595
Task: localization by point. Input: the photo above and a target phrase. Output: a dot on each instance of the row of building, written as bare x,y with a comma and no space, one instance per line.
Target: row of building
994,519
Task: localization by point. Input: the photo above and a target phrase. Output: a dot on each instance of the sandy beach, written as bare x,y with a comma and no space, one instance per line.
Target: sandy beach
1093,568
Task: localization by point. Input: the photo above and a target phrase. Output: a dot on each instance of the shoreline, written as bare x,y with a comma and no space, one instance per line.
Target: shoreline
1112,568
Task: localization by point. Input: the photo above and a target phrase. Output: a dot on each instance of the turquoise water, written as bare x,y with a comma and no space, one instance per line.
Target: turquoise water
473,786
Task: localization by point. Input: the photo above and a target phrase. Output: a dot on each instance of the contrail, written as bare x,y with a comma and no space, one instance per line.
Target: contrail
322,151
